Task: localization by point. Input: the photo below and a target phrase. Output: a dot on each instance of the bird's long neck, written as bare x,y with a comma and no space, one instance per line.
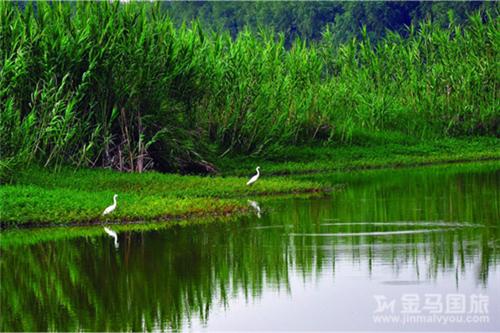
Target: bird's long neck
114,201
258,172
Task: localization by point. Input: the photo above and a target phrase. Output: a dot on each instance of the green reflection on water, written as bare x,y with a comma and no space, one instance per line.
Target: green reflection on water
166,278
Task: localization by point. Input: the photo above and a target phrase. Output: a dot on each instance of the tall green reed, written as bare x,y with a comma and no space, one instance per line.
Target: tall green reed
118,85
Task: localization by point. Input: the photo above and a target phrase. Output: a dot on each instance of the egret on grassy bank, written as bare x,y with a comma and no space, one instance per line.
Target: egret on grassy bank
112,234
112,207
255,177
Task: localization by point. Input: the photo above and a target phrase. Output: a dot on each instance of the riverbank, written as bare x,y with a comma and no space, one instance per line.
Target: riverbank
39,197
372,154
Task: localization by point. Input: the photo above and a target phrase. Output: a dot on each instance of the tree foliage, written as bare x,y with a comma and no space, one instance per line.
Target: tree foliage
307,19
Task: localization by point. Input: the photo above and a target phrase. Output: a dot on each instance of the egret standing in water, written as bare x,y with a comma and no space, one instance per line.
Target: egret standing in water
255,177
112,207
112,234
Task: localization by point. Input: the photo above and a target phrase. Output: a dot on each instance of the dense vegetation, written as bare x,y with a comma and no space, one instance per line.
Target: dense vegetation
308,19
113,85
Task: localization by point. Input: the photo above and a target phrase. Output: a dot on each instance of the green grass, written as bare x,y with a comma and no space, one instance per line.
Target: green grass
296,160
38,196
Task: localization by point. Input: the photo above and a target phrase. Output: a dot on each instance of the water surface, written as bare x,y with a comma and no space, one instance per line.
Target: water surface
417,238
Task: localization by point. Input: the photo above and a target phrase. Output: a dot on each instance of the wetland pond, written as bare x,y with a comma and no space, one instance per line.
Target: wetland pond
405,249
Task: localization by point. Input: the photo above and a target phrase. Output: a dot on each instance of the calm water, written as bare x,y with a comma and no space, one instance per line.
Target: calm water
396,246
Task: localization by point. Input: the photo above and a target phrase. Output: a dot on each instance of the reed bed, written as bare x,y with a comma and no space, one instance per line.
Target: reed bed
120,86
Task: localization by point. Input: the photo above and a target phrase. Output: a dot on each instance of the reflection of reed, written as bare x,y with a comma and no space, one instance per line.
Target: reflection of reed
369,233
409,223
167,278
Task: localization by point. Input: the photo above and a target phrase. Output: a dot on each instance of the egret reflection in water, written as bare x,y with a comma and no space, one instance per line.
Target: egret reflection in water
255,205
112,234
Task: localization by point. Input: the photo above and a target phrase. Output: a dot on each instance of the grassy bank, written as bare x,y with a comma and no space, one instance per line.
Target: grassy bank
297,160
391,178
38,196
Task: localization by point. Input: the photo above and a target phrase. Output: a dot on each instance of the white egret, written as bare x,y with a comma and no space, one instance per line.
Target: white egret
112,207
255,177
112,234
255,206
